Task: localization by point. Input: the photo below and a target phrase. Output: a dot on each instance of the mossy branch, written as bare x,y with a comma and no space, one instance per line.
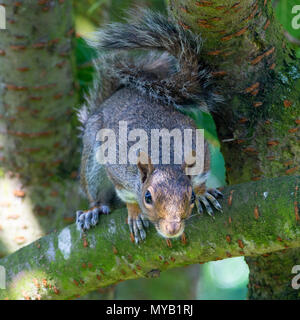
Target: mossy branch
258,218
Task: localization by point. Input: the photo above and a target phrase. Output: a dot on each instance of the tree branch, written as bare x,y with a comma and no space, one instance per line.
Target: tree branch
259,217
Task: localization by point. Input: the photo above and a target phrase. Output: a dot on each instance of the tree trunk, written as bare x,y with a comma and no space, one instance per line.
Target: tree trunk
258,75
37,138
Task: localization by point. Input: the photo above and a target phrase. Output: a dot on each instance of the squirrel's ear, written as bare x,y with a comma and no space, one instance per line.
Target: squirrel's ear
189,162
145,166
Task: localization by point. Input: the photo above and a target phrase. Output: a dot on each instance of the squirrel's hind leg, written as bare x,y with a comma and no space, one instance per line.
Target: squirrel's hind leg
136,221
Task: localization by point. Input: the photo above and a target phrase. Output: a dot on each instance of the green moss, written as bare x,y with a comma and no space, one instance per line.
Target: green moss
106,256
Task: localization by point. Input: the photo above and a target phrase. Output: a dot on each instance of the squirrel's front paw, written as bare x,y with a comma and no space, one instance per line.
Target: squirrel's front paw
136,227
210,195
87,219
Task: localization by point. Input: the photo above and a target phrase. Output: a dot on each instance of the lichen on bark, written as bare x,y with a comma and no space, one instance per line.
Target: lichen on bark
62,265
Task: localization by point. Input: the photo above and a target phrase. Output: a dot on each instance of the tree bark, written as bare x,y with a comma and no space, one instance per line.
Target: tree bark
259,75
63,266
37,128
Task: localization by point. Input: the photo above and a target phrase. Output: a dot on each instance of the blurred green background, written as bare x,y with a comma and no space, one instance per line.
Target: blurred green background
226,279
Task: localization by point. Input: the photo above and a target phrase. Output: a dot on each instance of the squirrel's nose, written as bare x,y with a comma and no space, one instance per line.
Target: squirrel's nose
173,227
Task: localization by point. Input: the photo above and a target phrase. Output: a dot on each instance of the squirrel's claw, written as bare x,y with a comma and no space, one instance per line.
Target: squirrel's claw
79,221
214,201
210,195
216,193
145,221
199,206
136,227
105,209
87,219
208,208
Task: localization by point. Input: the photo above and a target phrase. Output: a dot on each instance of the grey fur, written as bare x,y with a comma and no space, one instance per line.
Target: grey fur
171,72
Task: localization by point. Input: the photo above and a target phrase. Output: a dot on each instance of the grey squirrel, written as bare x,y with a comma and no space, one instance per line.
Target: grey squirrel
150,69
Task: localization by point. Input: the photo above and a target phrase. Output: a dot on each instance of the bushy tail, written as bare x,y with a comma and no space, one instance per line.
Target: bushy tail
171,72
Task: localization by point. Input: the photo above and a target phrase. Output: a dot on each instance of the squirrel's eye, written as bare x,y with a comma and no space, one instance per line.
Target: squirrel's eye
193,198
148,197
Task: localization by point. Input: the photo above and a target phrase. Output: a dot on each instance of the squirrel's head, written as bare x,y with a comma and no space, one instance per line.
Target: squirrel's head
167,197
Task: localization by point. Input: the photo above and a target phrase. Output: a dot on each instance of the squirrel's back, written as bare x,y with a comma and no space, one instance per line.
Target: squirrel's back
142,120
140,113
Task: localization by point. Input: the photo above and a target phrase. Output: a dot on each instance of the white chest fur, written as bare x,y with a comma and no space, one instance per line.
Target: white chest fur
126,196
